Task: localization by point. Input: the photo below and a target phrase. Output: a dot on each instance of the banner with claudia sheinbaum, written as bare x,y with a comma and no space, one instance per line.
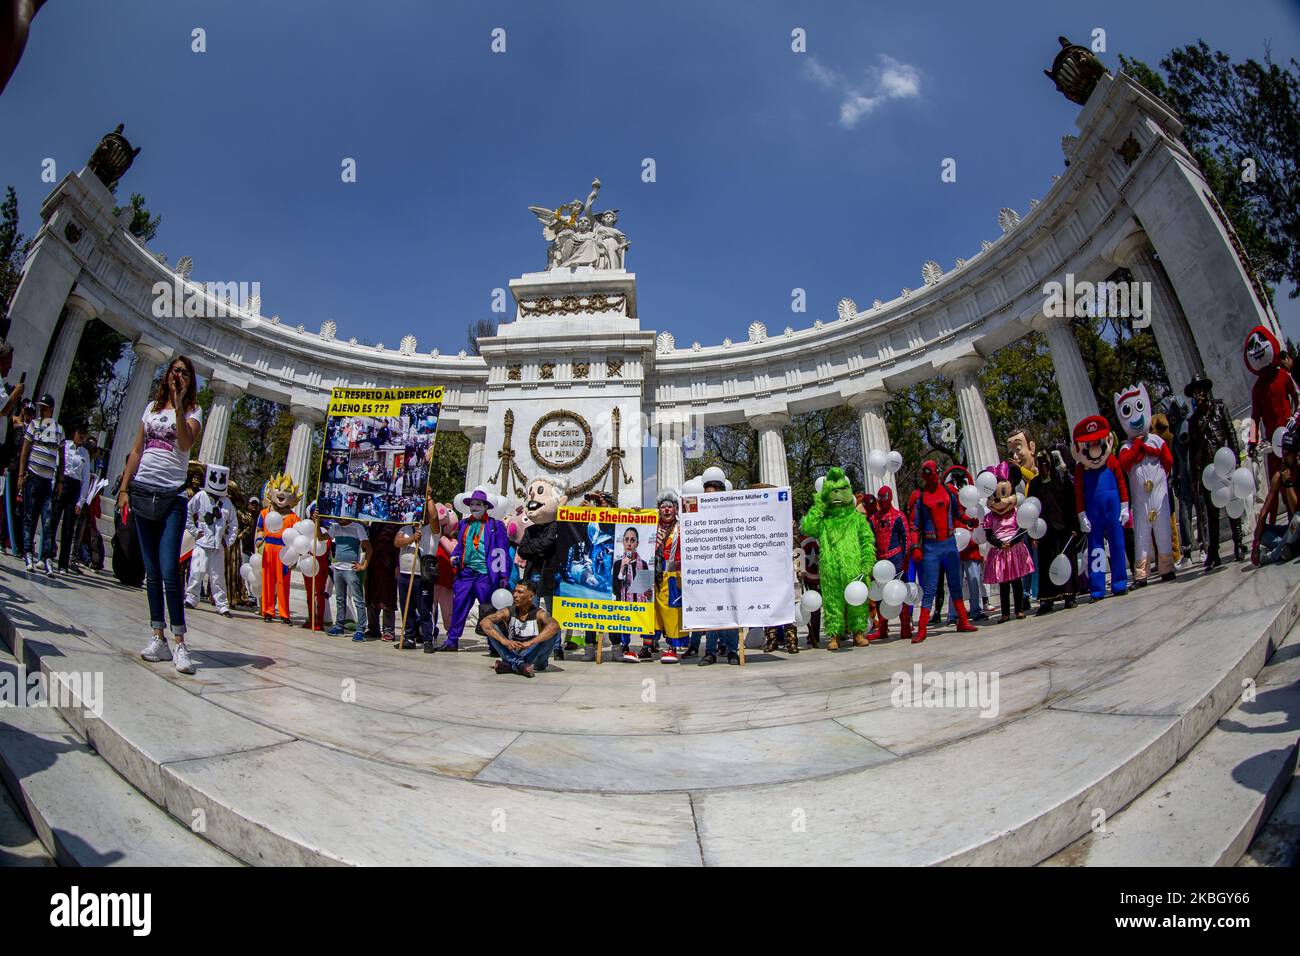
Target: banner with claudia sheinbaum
378,448
737,559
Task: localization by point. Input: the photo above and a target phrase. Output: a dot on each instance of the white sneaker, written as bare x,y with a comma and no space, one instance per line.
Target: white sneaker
183,663
30,564
157,650
49,568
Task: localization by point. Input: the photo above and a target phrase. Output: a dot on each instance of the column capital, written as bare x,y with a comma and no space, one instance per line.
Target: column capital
769,420
307,414
962,366
474,432
224,387
1129,248
151,351
1041,321
871,398
84,304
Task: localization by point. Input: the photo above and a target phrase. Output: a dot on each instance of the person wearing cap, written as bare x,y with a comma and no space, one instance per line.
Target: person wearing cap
1208,430
40,476
73,498
1101,500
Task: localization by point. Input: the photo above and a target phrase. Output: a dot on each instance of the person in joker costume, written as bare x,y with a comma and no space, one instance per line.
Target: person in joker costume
932,513
1101,497
481,561
211,521
1147,461
848,553
1273,398
280,495
891,533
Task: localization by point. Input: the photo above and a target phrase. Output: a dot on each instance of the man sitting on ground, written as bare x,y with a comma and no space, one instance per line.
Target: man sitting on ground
522,634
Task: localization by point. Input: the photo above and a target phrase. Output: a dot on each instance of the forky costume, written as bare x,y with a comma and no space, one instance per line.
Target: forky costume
281,494
1147,461
211,521
892,534
934,511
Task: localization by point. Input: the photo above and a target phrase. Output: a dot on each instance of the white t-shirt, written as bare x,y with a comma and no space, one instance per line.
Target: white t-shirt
347,540
427,544
163,464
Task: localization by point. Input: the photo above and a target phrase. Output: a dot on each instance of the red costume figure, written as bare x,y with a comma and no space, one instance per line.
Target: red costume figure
933,512
892,538
1273,398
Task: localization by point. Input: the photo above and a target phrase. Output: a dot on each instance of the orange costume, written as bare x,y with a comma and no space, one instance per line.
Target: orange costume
275,576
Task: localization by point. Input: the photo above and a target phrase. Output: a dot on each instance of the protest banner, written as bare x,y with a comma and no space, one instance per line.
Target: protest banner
606,580
378,446
737,564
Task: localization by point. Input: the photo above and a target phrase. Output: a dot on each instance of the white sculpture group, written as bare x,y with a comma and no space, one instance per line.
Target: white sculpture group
580,237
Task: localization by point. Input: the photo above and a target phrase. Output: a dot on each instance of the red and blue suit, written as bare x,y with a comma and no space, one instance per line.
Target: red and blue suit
934,513
892,539
1101,496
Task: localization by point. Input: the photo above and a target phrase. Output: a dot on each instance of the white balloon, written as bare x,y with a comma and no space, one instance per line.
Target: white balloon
986,482
969,496
1278,434
894,461
973,512
1243,483
713,473
1038,505
883,571
877,462
289,536
1236,507
856,593
1059,571
800,615
1224,462
1210,478
817,485
693,486
979,535
984,549
875,591
895,592
319,548
501,599
1026,515
306,528
289,556
962,535
914,593
1020,499
811,601
889,611
1220,496
726,484
274,522
308,566
1038,530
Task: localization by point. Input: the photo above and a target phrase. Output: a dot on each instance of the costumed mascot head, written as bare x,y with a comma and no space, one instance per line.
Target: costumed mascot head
447,520
837,491
1261,350
517,524
216,481
475,505
1133,407
1093,442
930,474
281,494
1023,450
1003,498
545,496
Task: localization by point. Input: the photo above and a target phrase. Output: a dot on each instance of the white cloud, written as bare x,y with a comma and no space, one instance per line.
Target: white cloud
891,80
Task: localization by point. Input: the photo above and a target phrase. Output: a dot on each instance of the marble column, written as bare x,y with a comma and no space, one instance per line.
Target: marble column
671,472
1178,349
477,435
49,274
217,426
148,358
55,377
1071,374
873,433
772,468
298,462
981,445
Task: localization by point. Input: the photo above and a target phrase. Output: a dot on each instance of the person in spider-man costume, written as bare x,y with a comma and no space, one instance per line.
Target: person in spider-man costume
890,526
933,511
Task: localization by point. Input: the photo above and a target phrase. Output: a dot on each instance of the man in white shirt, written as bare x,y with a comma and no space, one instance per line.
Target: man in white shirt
40,476
72,498
211,520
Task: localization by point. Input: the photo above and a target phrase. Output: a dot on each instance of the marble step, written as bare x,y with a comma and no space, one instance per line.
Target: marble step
1206,810
82,811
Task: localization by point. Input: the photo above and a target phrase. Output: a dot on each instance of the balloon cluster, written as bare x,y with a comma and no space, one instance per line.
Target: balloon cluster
888,591
1229,487
881,463
695,486
301,549
974,499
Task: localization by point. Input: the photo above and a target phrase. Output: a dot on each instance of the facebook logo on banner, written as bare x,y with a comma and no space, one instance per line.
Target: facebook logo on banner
782,495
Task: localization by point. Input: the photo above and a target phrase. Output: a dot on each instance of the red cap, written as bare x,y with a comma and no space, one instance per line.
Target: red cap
1092,428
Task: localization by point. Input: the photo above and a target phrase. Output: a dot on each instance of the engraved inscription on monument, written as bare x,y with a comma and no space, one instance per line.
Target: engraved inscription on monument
560,440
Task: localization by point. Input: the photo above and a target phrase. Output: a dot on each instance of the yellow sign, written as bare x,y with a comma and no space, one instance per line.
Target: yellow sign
605,581
380,401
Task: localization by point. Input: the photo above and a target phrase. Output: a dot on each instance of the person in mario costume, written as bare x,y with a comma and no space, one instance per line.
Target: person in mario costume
1101,496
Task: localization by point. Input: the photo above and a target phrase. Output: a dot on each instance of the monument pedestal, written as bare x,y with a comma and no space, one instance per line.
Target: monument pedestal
566,385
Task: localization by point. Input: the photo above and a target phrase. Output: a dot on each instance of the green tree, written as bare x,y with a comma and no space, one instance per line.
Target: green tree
13,250
448,466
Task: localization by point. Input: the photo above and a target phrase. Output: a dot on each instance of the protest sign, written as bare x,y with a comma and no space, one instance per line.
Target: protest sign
378,446
737,564
606,581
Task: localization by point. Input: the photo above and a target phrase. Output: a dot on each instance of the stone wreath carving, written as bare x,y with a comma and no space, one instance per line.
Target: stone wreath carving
560,414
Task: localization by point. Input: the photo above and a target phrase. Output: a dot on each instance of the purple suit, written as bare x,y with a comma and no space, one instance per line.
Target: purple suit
469,586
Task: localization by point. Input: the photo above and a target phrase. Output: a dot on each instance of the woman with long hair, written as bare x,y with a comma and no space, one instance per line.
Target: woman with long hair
152,485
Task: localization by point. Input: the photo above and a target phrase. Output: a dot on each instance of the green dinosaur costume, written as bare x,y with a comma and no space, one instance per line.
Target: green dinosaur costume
848,552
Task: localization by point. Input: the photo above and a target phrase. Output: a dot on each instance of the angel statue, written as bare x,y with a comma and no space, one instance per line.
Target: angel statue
579,237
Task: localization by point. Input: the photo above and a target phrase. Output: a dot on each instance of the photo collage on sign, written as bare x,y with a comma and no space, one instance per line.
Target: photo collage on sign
376,467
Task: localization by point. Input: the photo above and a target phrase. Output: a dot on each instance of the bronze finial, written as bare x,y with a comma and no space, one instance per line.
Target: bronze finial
112,157
1075,71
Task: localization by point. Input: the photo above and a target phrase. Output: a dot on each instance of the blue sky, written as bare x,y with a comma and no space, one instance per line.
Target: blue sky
774,170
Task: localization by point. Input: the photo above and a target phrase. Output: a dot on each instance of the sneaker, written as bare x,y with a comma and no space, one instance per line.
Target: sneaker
502,667
525,671
429,646
386,637
226,613
49,568
183,663
708,659
28,562
334,631
359,637
668,657
157,650
287,621
631,656
76,569
646,653
191,605
733,657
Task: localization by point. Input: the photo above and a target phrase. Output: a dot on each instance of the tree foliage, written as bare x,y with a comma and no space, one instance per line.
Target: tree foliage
13,250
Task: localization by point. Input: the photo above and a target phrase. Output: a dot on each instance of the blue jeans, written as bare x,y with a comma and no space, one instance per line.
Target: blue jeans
539,655
729,639
1277,543
348,583
38,502
939,557
160,550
